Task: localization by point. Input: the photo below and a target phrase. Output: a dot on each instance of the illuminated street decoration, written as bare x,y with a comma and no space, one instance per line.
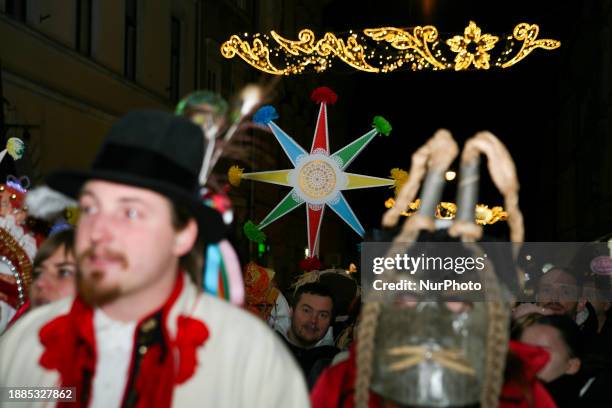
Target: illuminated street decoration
386,49
483,215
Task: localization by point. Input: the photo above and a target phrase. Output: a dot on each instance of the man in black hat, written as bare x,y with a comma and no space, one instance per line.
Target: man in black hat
139,333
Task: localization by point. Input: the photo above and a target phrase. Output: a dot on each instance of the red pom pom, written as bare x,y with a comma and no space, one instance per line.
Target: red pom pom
311,264
324,95
191,334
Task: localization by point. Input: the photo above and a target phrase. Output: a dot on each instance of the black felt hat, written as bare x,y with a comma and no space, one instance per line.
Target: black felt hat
153,150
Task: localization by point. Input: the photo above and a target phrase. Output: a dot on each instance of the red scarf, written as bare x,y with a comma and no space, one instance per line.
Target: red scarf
70,348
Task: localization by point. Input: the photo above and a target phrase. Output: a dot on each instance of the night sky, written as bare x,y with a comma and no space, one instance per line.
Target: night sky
520,105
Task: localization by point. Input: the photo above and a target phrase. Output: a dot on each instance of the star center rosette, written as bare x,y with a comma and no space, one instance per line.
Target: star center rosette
318,179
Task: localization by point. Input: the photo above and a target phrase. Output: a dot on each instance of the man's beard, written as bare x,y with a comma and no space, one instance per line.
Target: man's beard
90,288
306,342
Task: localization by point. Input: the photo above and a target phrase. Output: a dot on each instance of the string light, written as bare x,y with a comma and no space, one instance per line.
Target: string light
483,215
386,49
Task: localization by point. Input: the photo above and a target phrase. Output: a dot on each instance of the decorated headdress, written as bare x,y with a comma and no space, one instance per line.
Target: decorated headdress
17,189
259,290
436,353
48,204
17,250
317,177
50,212
222,276
219,122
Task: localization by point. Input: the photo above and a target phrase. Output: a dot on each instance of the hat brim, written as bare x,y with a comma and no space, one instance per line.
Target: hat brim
210,223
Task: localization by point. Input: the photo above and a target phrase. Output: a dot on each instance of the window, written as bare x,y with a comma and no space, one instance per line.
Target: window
175,58
17,9
83,27
130,39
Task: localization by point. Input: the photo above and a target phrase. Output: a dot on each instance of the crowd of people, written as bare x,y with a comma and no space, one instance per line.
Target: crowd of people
113,306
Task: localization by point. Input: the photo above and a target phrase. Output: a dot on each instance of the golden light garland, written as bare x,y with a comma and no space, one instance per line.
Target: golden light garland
472,48
447,211
385,49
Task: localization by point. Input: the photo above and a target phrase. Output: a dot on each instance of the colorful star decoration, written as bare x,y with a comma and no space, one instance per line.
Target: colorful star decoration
317,178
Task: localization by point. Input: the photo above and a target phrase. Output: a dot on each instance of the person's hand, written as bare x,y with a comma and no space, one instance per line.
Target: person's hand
528,308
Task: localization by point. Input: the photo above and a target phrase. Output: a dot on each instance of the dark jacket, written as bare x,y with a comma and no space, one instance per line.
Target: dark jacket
312,360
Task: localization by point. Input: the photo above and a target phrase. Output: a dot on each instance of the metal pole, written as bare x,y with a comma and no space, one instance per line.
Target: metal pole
2,119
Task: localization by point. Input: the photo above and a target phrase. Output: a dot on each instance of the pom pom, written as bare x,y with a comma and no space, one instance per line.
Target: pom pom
324,95
401,177
235,175
196,99
382,126
72,215
253,233
265,115
15,148
311,264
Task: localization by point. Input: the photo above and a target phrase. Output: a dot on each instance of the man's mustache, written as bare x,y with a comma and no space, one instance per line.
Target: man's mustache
105,253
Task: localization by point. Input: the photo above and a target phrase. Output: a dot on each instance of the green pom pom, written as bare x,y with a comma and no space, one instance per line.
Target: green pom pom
199,98
253,233
382,126
15,148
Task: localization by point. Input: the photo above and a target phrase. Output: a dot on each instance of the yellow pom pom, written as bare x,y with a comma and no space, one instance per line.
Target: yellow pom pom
235,175
15,148
401,177
72,215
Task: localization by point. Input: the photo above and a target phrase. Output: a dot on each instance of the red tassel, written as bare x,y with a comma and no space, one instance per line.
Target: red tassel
191,335
324,95
70,335
311,264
